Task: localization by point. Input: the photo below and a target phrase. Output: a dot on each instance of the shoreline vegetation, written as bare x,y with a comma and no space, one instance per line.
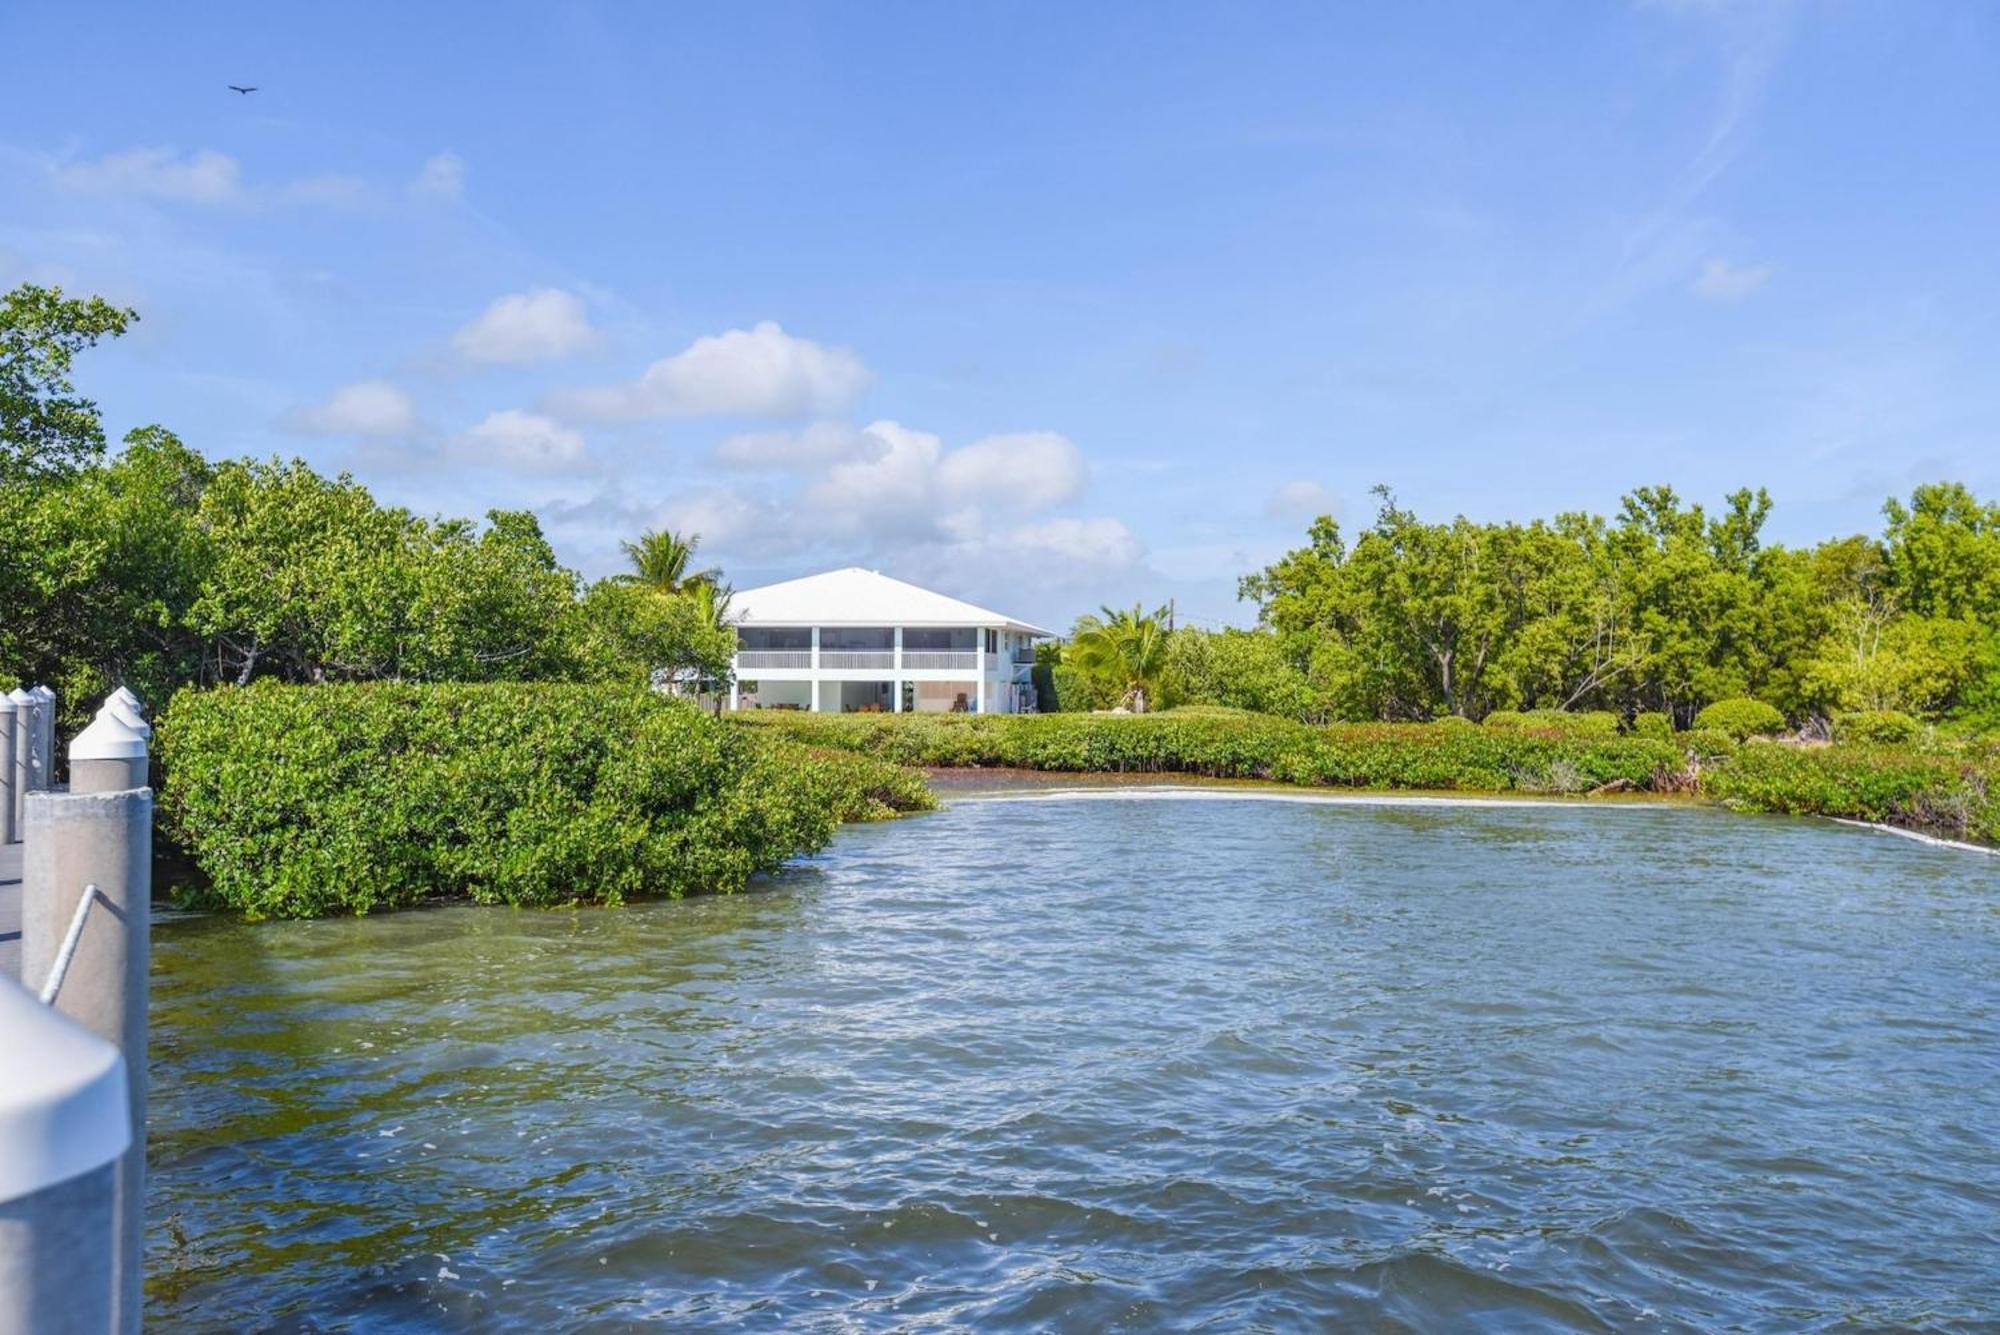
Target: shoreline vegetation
1948,792
307,801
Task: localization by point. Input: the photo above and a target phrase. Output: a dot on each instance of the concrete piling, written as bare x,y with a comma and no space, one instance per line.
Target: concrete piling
20,758
45,737
64,1123
100,835
109,756
10,801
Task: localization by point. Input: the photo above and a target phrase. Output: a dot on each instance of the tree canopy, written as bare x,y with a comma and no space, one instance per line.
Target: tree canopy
157,567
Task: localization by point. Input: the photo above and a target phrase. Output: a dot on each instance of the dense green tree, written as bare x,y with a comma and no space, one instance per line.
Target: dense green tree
1665,607
622,631
46,428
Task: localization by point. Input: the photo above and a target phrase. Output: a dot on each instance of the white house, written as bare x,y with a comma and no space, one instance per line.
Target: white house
856,641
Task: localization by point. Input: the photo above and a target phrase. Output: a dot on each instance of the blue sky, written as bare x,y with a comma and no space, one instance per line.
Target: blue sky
1042,305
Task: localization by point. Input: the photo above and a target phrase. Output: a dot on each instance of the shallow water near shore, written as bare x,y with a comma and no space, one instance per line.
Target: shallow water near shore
1090,1064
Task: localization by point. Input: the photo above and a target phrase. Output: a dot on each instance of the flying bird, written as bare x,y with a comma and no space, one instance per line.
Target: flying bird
239,88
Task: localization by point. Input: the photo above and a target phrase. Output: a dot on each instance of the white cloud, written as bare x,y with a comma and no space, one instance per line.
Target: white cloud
442,179
372,408
1302,500
1028,471
722,515
974,518
760,372
522,442
201,177
896,481
890,491
816,447
521,328
1722,281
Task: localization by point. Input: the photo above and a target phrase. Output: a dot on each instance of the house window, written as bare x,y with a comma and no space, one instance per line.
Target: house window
992,641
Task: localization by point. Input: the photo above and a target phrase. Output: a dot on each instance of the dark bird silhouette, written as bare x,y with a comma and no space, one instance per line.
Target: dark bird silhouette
239,88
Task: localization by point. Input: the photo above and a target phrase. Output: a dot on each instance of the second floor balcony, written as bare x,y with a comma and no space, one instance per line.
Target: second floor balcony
871,649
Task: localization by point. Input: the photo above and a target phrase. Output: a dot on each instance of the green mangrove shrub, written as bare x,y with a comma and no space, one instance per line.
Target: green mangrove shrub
299,801
1940,794
1889,726
1220,743
1562,722
1652,723
1741,719
1708,744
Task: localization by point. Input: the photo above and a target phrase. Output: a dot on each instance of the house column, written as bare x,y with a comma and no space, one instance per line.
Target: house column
896,677
815,669
979,689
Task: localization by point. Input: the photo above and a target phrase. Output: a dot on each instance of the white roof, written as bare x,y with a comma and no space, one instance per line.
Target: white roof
857,597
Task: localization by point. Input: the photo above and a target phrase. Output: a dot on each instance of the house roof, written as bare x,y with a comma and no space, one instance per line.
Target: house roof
857,597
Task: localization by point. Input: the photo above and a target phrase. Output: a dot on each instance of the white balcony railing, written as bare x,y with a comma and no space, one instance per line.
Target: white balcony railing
955,659
916,660
852,658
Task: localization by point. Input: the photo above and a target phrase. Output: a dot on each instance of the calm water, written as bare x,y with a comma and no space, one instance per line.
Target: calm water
1089,1064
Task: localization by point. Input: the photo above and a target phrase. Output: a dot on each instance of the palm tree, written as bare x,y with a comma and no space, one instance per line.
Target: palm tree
660,561
711,600
1126,650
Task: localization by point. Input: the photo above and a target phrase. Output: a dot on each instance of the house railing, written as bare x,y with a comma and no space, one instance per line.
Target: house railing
746,659
916,660
940,658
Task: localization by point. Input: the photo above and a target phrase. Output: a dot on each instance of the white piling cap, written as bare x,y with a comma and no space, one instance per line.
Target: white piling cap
7,705
42,693
62,1096
125,696
128,714
20,697
108,737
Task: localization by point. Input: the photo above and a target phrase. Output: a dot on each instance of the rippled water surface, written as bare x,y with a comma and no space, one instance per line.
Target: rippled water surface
1089,1064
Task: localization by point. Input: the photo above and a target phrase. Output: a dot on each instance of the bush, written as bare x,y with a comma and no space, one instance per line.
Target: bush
1741,718
1940,794
1559,722
1061,689
310,800
1651,724
1223,744
1708,744
1876,725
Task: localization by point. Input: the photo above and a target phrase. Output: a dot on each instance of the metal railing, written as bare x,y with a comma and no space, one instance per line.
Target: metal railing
853,658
